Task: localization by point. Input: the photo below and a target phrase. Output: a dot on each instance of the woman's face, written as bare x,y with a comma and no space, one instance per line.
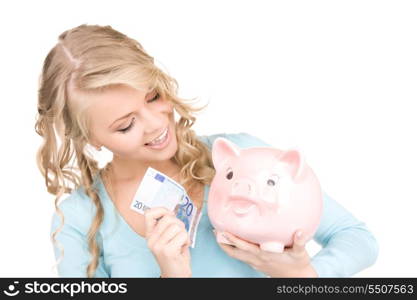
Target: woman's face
124,119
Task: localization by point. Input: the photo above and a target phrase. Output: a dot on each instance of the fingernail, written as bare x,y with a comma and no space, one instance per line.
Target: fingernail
299,234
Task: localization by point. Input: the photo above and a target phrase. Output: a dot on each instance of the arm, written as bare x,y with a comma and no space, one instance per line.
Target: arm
348,245
72,237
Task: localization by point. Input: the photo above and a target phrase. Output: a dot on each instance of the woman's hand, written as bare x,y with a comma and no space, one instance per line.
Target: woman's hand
169,242
293,262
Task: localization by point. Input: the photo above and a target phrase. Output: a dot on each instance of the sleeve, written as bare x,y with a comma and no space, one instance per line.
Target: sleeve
72,237
347,244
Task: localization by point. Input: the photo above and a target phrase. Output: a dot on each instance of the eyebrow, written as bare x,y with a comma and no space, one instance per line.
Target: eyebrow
125,116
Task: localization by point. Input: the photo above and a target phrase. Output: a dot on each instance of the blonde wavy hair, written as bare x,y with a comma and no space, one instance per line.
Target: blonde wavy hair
92,58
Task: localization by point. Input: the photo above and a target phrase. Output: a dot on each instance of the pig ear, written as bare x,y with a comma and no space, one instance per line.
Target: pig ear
295,163
223,149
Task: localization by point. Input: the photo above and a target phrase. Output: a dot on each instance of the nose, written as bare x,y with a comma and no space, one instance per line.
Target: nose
153,121
242,188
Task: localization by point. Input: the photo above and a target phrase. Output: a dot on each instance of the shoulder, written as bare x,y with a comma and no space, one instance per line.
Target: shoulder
242,139
78,211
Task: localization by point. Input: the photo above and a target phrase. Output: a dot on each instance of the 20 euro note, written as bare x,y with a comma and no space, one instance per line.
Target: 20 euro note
158,190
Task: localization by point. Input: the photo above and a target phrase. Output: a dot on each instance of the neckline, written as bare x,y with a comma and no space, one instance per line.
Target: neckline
121,219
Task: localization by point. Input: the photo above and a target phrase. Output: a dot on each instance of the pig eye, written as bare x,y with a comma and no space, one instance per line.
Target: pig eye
272,181
229,174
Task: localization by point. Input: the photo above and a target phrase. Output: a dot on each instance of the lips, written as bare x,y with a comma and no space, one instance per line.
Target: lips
159,136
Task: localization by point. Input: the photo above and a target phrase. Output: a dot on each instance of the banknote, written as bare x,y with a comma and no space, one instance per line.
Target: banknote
188,213
158,190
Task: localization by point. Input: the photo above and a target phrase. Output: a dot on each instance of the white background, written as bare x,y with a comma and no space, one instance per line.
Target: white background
334,78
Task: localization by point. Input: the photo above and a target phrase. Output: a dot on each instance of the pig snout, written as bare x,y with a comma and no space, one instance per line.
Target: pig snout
242,198
242,188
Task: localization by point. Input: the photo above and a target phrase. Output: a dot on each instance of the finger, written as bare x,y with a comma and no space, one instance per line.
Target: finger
152,216
237,253
165,222
242,244
185,246
169,233
300,241
179,242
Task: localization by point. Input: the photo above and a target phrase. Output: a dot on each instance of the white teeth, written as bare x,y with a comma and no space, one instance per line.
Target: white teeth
159,139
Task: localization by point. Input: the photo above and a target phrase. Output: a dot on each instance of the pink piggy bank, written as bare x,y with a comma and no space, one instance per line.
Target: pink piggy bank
263,195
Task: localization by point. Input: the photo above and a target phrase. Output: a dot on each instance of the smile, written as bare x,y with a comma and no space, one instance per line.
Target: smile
160,139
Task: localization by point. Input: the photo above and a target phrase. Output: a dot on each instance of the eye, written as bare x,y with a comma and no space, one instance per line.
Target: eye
272,181
157,96
229,174
124,130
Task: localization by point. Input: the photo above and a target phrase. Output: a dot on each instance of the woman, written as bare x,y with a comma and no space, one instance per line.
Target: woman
100,88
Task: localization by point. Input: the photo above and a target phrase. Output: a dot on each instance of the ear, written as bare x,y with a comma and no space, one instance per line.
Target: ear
295,163
222,150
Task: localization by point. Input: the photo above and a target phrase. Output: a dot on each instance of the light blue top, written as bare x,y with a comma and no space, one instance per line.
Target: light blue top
347,245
